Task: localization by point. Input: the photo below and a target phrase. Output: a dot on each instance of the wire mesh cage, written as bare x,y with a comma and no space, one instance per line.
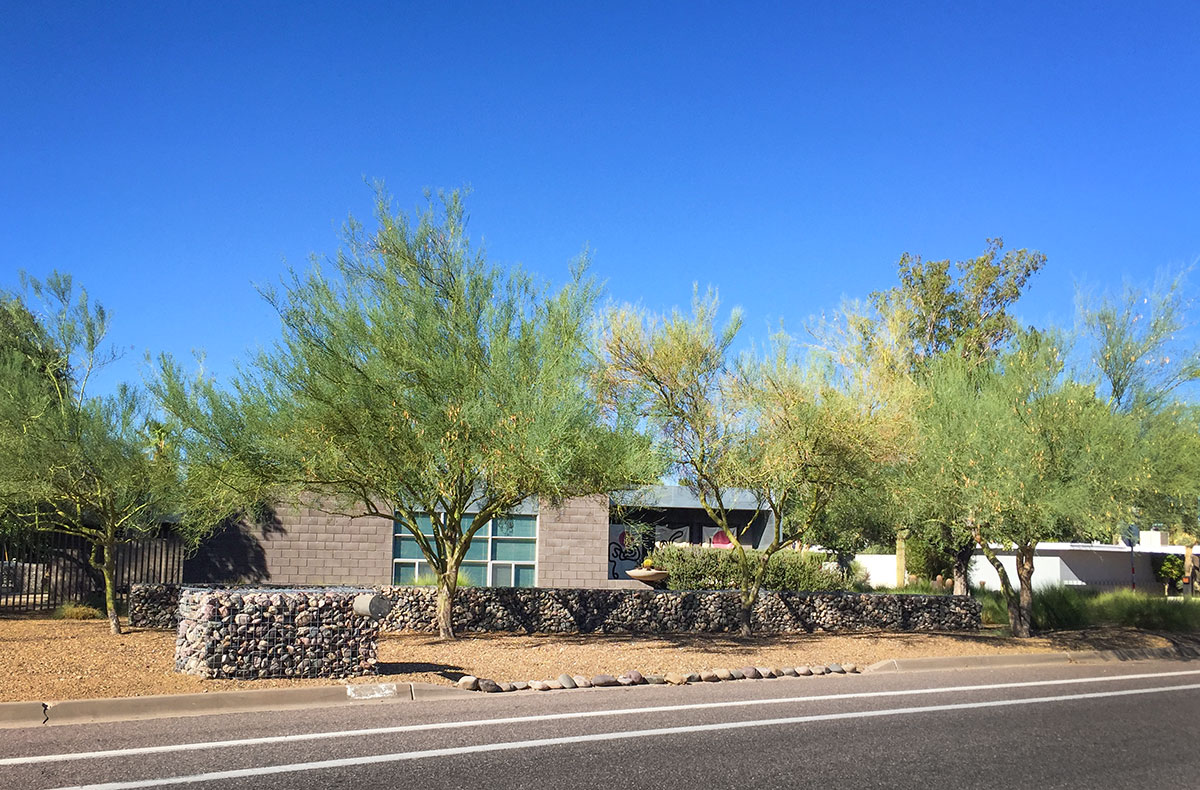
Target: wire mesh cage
248,634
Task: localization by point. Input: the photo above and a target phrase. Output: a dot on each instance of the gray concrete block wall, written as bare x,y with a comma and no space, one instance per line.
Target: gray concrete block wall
306,546
315,548
573,545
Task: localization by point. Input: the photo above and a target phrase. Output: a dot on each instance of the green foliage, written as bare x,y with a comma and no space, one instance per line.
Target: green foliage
1139,348
415,377
76,611
1061,608
1136,343
795,432
1138,610
706,568
995,609
96,467
927,558
1025,453
431,580
967,309
940,309
918,587
1064,607
1168,569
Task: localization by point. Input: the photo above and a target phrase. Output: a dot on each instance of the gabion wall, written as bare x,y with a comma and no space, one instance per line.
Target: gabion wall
563,611
154,606
235,633
573,611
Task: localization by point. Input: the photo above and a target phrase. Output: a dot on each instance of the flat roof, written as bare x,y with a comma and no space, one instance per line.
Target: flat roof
668,497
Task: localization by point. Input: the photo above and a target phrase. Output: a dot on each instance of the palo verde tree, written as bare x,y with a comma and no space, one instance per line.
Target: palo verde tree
91,466
964,309
774,426
1141,349
1035,456
415,380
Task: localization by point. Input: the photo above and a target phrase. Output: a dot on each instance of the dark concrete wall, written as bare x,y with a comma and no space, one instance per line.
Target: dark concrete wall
296,546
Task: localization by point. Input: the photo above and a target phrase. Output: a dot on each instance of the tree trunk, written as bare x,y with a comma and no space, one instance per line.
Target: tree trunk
104,556
1025,600
746,614
901,558
962,568
1016,620
447,585
752,579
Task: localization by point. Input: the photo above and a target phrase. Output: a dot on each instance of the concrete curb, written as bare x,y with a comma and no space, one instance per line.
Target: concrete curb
83,711
21,714
1033,659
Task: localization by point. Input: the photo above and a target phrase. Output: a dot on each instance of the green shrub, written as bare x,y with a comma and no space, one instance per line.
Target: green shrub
706,568
926,560
995,610
1066,608
76,611
430,580
918,587
1138,610
1061,608
1168,570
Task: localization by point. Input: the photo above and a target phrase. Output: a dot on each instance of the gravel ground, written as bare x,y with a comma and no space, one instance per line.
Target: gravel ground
48,660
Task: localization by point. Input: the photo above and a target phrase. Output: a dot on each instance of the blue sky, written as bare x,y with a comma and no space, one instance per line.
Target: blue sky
172,155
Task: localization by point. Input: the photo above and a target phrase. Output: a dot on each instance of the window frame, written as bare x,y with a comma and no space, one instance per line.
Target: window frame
419,567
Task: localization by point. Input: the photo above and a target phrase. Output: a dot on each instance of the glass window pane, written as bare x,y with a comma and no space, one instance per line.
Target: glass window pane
425,525
483,532
514,526
403,573
476,574
477,550
502,576
522,550
523,576
406,548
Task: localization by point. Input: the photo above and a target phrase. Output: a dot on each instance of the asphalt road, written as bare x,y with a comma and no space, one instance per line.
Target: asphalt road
1127,725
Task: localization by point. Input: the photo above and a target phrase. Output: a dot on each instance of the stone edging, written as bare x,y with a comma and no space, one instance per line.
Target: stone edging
635,678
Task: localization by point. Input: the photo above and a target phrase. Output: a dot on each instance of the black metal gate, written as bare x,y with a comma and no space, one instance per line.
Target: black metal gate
43,570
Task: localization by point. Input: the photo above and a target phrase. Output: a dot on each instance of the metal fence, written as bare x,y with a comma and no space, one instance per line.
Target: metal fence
43,570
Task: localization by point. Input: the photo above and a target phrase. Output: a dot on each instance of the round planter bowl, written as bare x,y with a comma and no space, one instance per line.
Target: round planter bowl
647,575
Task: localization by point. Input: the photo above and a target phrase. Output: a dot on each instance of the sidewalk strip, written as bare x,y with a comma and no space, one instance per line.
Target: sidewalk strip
315,736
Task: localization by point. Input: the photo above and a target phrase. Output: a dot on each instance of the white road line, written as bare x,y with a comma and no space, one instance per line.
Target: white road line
349,762
447,725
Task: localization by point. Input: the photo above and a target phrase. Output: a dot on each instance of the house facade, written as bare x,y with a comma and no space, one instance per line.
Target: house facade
585,542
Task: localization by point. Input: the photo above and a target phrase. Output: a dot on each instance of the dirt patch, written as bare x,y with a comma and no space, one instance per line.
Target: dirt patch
48,660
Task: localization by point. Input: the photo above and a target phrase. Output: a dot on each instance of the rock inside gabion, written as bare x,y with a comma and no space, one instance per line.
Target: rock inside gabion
584,611
238,633
154,606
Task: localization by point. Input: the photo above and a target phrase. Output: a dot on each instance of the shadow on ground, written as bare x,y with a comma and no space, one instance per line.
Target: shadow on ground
448,671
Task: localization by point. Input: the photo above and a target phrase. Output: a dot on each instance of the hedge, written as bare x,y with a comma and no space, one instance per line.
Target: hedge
705,568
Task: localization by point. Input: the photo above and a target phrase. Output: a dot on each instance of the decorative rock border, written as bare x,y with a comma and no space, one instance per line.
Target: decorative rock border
635,678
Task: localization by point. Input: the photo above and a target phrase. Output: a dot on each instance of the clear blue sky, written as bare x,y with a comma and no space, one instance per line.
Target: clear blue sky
171,155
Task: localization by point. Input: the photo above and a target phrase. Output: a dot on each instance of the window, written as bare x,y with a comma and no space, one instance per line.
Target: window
502,554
